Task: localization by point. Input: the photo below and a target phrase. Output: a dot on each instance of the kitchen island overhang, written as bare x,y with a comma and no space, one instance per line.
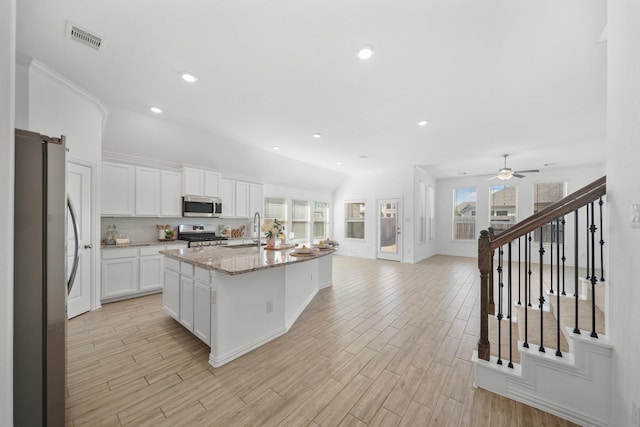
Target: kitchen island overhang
237,299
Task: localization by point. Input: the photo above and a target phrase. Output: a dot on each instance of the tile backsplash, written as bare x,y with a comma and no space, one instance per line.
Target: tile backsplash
141,230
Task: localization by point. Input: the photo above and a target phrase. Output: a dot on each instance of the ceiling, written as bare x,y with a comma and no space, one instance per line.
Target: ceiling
491,77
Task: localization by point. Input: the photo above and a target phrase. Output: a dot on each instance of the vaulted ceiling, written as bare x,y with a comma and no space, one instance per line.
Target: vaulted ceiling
491,77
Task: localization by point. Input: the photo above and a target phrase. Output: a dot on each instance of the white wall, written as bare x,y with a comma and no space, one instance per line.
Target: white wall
623,189
574,177
370,188
7,112
56,106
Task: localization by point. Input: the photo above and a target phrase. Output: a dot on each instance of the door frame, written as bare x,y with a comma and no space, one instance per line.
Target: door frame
398,255
95,231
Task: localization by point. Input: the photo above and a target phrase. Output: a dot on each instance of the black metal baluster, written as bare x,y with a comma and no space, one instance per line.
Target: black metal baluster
541,298
564,258
510,365
587,242
601,244
525,344
519,269
500,286
576,258
552,236
530,252
594,279
558,352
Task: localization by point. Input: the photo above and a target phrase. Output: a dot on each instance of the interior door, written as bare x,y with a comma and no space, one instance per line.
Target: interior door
79,187
389,236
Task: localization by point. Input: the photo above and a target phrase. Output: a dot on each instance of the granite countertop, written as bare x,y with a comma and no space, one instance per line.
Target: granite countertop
231,260
139,244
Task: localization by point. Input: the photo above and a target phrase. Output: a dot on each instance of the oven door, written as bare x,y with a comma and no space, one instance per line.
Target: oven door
198,207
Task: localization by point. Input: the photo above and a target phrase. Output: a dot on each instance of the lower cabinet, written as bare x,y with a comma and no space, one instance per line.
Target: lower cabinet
188,295
131,272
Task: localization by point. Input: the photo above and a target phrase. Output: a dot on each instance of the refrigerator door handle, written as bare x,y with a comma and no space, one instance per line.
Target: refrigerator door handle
76,251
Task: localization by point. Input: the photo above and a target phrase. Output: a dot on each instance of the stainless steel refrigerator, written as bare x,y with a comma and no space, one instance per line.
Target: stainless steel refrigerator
40,280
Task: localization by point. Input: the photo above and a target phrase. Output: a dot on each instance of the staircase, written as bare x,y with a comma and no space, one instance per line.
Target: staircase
547,310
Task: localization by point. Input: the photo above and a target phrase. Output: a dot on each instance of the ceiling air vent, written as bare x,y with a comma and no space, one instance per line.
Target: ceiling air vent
83,36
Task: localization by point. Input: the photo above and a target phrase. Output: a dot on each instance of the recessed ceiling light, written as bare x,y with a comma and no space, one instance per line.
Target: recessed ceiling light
275,147
317,135
188,77
423,122
364,156
338,163
155,110
365,52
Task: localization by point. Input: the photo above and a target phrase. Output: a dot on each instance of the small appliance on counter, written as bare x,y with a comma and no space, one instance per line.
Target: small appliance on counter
200,235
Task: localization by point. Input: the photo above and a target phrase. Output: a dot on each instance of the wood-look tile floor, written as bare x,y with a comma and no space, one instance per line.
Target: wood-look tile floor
388,345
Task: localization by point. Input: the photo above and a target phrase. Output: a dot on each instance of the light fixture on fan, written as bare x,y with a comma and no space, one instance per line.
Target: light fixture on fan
507,173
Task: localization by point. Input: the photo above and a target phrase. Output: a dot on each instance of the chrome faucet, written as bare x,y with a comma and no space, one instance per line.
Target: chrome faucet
256,226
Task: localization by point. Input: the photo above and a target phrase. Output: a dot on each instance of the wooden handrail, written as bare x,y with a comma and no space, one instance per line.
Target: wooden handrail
488,243
564,206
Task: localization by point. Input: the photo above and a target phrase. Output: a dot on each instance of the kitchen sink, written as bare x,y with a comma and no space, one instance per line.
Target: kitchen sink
242,246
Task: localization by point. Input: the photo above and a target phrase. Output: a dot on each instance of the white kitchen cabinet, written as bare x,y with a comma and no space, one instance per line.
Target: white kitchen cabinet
256,199
202,311
119,272
148,192
186,302
150,265
228,198
118,189
171,197
212,184
200,182
171,293
242,199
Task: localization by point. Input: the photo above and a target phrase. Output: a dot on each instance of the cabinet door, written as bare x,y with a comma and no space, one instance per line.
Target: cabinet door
193,180
186,303
202,312
119,276
150,272
212,184
171,194
118,189
228,197
147,192
171,293
256,200
242,199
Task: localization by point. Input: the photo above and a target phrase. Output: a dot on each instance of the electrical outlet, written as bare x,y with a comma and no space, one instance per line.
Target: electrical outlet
636,414
270,306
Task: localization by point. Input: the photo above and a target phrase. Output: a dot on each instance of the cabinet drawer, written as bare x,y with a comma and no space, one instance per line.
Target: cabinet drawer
151,250
119,253
202,275
172,264
187,269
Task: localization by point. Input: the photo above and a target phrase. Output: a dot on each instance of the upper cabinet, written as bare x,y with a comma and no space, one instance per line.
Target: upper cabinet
241,199
118,189
201,182
140,191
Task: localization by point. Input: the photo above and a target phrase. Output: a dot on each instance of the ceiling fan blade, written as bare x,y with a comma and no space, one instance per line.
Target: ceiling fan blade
529,171
518,175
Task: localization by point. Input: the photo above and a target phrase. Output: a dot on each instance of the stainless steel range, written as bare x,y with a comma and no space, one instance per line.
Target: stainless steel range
200,235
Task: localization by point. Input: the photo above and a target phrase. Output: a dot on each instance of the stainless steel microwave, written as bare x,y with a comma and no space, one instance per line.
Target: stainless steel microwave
201,207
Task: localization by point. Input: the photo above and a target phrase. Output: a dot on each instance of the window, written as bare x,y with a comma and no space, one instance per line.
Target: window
503,205
544,194
320,220
300,219
431,202
354,220
464,213
423,213
276,207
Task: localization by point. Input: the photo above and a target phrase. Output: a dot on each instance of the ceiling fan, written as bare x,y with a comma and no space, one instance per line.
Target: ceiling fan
507,173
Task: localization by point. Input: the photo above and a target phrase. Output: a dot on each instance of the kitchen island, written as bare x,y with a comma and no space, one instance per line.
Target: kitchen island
236,299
